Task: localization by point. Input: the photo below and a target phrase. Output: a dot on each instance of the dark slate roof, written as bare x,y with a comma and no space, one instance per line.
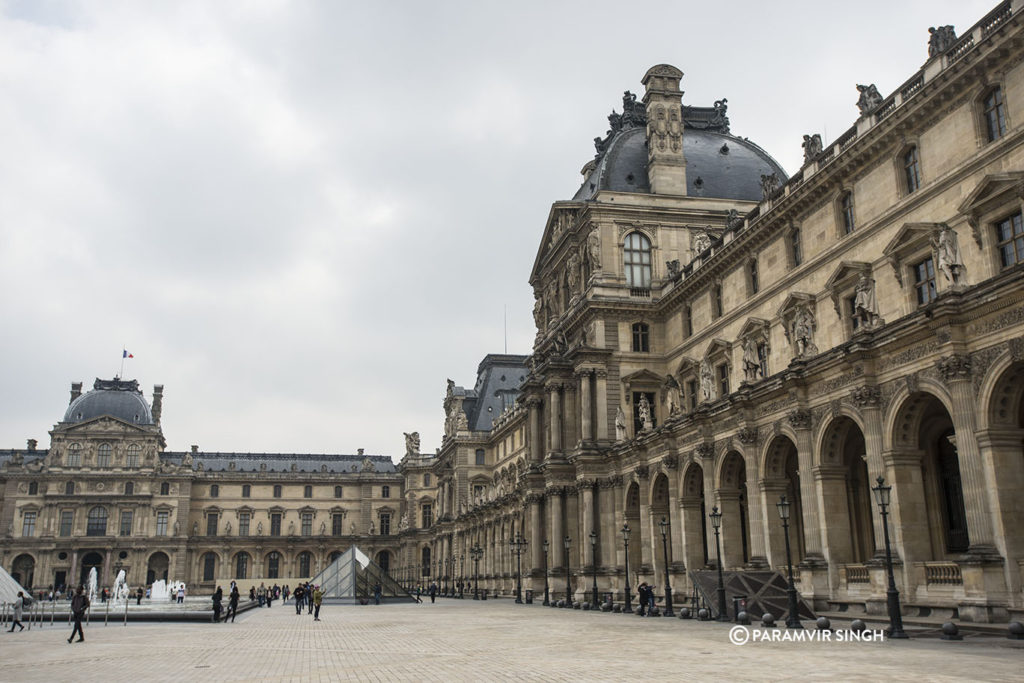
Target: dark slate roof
497,385
117,398
282,462
731,173
27,456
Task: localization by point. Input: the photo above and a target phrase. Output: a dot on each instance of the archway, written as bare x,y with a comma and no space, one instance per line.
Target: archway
695,519
659,512
732,499
1002,448
273,564
782,478
89,561
243,561
384,561
632,513
846,490
157,568
23,570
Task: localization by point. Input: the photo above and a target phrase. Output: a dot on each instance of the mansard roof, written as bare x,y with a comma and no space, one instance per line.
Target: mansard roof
281,462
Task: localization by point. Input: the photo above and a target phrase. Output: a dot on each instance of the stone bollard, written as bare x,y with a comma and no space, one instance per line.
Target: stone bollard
703,614
767,620
655,612
824,624
587,607
684,613
858,625
617,608
606,607
576,605
743,619
561,603
1015,631
950,631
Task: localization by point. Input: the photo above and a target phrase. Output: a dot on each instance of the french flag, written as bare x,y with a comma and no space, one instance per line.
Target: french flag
125,354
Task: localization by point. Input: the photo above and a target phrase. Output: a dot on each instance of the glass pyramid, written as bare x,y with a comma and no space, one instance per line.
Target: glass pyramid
350,579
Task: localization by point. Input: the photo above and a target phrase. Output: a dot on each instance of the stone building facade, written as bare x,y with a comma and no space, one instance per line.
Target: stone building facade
714,334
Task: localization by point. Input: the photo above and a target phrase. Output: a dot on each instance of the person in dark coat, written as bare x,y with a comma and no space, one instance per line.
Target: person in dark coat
232,605
299,594
138,595
79,604
433,591
218,598
642,597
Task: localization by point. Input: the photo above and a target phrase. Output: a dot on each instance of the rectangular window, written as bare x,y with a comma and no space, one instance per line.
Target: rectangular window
275,524
723,380
716,301
211,524
385,491
28,525
641,338
1010,240
126,523
755,281
912,169
67,519
796,247
385,524
995,116
688,321
846,208
307,492
246,490
481,456
924,281
74,458
161,523
307,523
428,517
337,524
691,394
762,358
103,455
243,523
277,490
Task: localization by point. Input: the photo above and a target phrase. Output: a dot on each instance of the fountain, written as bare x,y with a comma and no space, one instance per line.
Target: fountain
158,591
92,586
119,595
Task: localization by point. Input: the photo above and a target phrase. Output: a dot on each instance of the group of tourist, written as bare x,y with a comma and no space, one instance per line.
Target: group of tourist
218,599
310,596
265,597
645,595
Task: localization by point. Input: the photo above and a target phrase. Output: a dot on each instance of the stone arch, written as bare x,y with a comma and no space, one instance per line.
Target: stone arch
846,490
694,517
1002,394
781,477
157,567
23,570
824,434
91,559
903,421
733,502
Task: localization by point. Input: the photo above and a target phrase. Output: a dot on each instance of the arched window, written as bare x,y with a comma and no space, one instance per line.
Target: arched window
641,337
337,491
97,522
994,113
129,488
103,455
425,561
304,562
273,565
385,491
214,491
75,455
246,490
307,492
426,480
277,490
209,564
911,169
132,459
242,566
636,261
165,489
846,213
69,488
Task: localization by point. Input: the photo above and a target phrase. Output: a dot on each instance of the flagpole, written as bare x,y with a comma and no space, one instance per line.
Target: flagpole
122,362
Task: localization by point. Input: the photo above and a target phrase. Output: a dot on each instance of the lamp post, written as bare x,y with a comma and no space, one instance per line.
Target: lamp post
547,594
593,560
462,573
793,620
444,577
883,495
664,546
568,584
628,609
476,552
716,522
516,545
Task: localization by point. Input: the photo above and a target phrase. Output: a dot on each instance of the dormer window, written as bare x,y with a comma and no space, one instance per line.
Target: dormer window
103,455
636,261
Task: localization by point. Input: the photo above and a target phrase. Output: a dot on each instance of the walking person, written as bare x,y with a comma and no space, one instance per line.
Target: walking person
641,594
433,592
309,596
298,598
318,598
19,603
218,598
232,604
376,594
650,600
79,604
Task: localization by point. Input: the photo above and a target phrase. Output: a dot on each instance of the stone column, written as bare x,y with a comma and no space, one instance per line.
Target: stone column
536,539
833,506
609,533
692,533
760,514
647,531
586,407
555,435
572,524
868,399
800,420
536,430
587,506
570,415
601,398
557,529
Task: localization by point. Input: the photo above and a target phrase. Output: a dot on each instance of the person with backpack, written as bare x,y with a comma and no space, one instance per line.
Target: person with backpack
298,595
79,604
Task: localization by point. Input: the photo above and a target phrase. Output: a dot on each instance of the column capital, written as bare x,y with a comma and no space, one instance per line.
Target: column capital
799,418
866,397
954,368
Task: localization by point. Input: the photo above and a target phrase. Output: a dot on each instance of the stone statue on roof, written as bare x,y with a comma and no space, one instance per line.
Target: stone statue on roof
368,465
940,39
812,147
719,121
769,185
869,99
412,443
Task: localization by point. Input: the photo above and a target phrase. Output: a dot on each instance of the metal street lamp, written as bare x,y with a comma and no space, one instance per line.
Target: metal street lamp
628,609
664,546
593,560
516,545
547,595
476,552
444,577
462,573
793,620
568,584
883,495
716,522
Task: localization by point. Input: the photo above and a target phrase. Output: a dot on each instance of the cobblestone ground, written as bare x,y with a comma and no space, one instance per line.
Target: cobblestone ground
478,641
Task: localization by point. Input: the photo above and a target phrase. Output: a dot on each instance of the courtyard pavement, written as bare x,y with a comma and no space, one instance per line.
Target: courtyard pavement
466,640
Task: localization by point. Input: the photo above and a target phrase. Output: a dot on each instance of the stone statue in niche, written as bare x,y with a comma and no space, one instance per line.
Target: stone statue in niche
869,99
706,380
673,395
227,529
259,529
659,129
572,266
865,303
620,425
291,528
594,249
940,39
195,528
176,528
404,523
538,315
701,243
373,529
643,408
751,363
675,130
812,147
412,443
323,528
352,528
803,327
947,251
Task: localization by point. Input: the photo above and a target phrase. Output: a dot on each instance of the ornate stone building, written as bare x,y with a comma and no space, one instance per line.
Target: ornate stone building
714,334
107,495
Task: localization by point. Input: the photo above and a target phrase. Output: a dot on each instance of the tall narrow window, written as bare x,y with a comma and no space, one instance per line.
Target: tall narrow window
428,517
211,524
716,301
126,523
846,212
69,488
246,490
385,491
103,455
33,488
161,523
851,313
129,488
132,458
641,337
924,281
96,522
723,380
209,563
214,491
636,261
385,524
912,169
28,524
67,519
1010,240
691,394
243,523
337,524
307,523
762,358
426,479
75,455
275,524
165,489
277,490
481,456
273,565
796,247
755,280
307,492
337,491
304,562
242,566
688,320
995,115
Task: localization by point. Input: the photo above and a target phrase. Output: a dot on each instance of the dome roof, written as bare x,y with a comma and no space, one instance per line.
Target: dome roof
718,165
115,398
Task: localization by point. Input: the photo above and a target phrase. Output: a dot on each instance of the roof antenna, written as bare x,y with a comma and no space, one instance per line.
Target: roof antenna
504,320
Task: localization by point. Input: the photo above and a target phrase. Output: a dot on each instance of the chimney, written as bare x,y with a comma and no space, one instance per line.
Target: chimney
32,444
666,165
158,402
76,391
195,449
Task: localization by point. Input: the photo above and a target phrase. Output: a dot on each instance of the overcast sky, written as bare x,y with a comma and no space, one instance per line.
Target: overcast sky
302,217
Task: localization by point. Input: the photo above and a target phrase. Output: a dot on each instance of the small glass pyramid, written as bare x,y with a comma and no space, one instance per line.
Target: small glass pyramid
351,578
